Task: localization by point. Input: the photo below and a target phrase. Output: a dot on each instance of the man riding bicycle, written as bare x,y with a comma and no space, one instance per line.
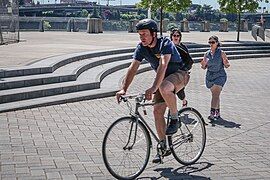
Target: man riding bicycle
170,78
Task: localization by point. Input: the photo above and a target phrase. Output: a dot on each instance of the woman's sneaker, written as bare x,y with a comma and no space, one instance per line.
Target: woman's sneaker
217,114
211,117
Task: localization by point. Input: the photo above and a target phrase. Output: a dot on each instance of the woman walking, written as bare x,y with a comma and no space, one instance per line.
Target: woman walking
214,61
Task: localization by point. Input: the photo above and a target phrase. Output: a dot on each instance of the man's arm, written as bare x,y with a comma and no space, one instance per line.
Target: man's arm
132,70
164,60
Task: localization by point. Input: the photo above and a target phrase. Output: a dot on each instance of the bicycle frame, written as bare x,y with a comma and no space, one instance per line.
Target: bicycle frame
138,117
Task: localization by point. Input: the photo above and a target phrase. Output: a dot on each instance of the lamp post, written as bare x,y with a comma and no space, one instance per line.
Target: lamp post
262,19
149,10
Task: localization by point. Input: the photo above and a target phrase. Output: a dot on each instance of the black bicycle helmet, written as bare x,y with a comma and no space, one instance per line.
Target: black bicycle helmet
147,24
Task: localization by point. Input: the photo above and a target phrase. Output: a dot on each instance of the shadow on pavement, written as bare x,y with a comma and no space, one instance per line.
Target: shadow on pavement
225,123
183,172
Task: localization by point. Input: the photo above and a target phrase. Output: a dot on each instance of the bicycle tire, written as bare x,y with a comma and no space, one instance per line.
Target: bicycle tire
126,163
187,145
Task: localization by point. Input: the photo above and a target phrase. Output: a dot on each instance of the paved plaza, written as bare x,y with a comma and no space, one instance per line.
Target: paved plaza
64,141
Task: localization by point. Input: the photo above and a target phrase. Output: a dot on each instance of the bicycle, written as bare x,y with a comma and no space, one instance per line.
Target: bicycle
127,142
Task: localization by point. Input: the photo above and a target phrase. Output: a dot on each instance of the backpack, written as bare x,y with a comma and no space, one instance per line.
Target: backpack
187,60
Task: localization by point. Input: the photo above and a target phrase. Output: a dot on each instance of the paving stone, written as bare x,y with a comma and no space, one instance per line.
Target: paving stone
37,172
53,175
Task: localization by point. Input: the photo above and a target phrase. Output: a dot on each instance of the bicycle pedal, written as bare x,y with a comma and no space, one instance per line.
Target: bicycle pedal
155,161
158,159
167,153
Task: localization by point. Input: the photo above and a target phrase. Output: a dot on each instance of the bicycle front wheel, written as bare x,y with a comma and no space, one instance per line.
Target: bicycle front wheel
126,148
187,145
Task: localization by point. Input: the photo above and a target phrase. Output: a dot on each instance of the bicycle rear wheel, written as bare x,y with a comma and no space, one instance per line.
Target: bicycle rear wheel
126,148
187,145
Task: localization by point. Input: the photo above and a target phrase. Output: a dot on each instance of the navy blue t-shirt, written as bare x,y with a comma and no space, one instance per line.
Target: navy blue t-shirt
152,55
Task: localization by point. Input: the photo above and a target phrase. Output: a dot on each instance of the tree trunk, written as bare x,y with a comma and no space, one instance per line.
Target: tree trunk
161,19
238,25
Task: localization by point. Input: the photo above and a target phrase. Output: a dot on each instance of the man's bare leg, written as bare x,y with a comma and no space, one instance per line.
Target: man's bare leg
159,111
167,91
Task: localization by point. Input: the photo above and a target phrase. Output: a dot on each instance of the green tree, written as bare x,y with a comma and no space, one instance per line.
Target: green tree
4,2
141,16
84,13
178,16
100,12
21,2
238,7
165,6
95,13
47,25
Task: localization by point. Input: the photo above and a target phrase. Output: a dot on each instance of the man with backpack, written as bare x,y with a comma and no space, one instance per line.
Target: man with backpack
170,77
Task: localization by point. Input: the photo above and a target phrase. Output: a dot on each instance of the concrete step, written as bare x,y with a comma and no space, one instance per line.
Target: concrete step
89,79
66,73
50,64
109,86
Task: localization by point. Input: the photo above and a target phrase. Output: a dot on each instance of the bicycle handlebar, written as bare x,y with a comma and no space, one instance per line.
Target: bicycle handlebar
139,98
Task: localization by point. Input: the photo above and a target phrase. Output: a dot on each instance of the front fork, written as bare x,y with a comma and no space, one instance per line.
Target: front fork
134,121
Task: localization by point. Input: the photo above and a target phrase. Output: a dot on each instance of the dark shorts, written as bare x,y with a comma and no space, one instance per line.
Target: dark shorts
215,78
176,79
220,81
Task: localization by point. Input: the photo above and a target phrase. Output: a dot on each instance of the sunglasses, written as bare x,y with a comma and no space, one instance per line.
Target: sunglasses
176,35
212,42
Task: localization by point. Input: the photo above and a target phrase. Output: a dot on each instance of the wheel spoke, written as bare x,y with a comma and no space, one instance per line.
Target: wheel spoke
189,142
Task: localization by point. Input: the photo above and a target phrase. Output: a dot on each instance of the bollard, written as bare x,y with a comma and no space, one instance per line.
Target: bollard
70,24
184,26
205,26
132,26
41,26
74,28
243,25
223,25
100,27
94,25
261,33
254,32
12,26
165,23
